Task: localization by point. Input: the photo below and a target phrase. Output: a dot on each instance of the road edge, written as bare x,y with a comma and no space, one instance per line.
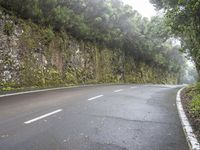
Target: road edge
58,88
187,128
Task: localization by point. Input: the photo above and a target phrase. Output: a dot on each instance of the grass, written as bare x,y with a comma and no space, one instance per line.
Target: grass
195,102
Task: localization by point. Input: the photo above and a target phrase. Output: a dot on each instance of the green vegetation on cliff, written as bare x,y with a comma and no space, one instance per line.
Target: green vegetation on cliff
63,42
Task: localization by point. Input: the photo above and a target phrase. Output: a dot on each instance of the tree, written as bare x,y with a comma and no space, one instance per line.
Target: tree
110,23
183,17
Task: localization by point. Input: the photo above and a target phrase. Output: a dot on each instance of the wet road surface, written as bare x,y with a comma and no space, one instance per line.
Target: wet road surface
117,117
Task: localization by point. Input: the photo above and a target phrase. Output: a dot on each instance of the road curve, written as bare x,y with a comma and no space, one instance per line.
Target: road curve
117,117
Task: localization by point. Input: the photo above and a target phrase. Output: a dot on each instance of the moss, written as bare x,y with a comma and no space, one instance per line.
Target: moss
8,89
194,94
9,86
46,35
52,77
195,106
96,64
8,28
70,77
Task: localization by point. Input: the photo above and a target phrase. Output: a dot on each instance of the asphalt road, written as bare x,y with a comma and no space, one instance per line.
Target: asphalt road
123,117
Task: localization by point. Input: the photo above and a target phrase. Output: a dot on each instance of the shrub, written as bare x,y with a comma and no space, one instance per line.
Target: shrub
48,35
8,28
195,106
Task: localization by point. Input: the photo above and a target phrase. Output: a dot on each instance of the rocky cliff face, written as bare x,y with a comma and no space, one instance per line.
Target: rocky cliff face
34,56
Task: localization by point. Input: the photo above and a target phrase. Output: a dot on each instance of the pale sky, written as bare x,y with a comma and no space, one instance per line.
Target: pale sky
144,7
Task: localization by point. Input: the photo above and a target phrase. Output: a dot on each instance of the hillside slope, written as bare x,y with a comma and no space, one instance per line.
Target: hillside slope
34,56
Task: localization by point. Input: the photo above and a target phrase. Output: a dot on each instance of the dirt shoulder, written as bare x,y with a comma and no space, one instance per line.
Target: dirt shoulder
186,99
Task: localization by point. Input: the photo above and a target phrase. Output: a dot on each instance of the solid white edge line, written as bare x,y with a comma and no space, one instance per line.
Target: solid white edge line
59,88
36,91
95,97
43,116
190,136
118,90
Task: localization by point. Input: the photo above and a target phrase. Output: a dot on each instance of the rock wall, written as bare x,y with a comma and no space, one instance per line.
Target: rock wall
32,56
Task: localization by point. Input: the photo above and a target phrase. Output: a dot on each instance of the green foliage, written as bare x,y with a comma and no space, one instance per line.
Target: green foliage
48,35
51,77
40,77
70,77
9,86
127,46
182,17
7,89
194,95
108,23
195,106
8,28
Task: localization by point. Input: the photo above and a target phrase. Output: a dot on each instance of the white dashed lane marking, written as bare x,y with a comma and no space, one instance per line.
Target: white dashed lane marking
133,87
116,91
95,97
43,116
